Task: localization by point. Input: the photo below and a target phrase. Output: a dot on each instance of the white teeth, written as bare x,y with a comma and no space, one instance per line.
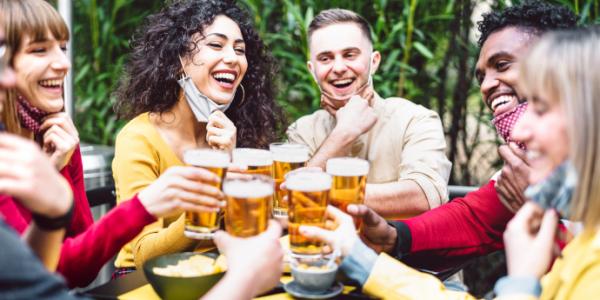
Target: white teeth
51,83
226,76
342,81
501,100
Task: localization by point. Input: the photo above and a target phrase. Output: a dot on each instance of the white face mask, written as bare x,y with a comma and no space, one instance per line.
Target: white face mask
357,92
201,105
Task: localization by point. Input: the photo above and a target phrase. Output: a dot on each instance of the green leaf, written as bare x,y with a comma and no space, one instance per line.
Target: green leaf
423,50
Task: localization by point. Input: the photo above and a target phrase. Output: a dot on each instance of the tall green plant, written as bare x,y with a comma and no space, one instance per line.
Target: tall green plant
101,36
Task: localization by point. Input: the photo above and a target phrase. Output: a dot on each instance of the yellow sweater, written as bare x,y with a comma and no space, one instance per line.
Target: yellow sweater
574,276
141,156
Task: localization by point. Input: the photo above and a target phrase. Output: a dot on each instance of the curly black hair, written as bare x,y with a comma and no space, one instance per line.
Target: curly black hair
153,68
535,16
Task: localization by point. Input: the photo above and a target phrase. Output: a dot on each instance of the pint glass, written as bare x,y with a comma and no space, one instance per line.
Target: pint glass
247,212
202,225
286,157
258,161
308,194
349,181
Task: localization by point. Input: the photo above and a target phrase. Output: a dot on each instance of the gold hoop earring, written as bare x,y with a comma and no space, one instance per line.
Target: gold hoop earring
243,95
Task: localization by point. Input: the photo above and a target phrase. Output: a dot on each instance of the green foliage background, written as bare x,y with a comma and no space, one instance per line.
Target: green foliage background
427,48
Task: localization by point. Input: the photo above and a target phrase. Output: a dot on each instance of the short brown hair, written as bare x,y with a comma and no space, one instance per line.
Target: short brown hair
337,16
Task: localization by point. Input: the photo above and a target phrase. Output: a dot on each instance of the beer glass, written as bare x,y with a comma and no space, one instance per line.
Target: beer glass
202,225
349,181
286,157
247,211
258,161
308,195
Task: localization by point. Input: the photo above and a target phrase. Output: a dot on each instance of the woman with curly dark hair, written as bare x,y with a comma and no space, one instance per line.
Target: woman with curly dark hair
199,76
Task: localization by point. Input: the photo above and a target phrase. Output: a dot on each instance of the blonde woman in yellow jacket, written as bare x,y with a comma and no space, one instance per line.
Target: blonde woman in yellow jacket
561,79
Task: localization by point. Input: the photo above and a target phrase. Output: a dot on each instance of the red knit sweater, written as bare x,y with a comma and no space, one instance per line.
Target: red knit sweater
463,228
87,246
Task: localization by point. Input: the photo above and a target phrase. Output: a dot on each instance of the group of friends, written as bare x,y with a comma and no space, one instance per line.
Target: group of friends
200,76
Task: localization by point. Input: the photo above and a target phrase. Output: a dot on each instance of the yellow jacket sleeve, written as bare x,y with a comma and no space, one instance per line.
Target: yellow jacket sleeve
135,166
391,279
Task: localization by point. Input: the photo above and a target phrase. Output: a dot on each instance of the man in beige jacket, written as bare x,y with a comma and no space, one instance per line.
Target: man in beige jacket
403,142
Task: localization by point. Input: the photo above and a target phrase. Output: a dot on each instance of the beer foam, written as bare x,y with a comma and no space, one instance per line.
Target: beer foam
290,153
252,157
347,166
308,181
247,188
206,158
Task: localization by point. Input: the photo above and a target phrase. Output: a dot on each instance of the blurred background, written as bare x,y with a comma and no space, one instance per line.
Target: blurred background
428,49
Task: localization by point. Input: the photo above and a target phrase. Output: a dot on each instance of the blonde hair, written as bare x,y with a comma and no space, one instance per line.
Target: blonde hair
34,18
566,64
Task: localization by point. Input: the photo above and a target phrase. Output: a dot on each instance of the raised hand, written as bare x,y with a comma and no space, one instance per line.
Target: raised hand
529,241
27,175
342,238
220,132
355,118
375,232
256,261
182,189
60,138
514,178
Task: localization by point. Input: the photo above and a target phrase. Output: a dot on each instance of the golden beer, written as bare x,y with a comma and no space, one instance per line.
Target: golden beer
286,158
257,161
308,193
202,225
247,212
349,182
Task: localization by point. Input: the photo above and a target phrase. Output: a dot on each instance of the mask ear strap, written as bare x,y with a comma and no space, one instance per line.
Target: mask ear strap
182,68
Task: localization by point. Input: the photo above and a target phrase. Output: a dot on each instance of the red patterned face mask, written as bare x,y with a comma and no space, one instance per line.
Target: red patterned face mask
31,117
505,123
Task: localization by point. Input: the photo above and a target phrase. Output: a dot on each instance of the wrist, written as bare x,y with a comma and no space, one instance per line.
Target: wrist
403,239
64,204
242,280
343,136
50,223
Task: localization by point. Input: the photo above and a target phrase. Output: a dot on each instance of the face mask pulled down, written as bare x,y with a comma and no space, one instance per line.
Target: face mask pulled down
505,123
201,105
556,190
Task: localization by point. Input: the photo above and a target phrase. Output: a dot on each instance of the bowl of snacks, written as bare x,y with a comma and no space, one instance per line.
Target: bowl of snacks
314,274
185,275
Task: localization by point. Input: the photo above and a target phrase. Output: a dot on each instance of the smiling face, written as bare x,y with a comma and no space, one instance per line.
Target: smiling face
497,69
543,128
219,63
7,76
41,67
340,56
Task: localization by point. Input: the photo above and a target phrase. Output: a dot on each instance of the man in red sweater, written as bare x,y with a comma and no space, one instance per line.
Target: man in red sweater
473,225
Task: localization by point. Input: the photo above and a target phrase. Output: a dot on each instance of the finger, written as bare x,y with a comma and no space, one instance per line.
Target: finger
13,142
370,218
198,188
520,153
196,173
237,168
210,131
199,200
61,120
337,215
318,233
273,231
222,240
525,216
187,206
221,141
548,227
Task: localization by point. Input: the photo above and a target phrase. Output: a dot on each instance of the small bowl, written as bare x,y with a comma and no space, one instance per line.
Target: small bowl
315,276
171,287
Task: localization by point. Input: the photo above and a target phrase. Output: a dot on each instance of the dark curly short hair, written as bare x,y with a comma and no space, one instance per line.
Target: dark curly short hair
535,16
153,68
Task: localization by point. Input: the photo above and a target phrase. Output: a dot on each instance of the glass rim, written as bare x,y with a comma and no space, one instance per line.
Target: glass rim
347,166
252,157
203,157
308,181
252,181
